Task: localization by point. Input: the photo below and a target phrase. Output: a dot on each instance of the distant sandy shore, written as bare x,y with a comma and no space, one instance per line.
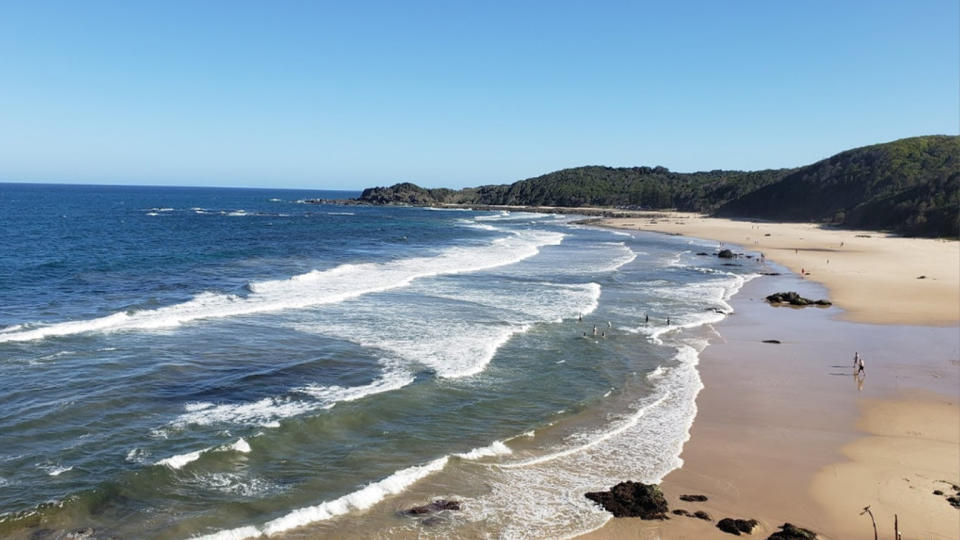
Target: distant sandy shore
874,277
785,432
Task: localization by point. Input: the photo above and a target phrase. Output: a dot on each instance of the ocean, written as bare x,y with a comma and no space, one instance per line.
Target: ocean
240,363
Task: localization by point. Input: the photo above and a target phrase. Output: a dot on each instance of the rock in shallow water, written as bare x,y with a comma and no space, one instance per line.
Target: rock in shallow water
632,499
436,506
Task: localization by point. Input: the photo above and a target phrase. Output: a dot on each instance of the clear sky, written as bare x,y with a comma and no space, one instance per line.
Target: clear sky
344,95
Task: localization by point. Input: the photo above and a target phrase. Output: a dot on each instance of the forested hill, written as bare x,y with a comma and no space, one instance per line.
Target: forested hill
910,186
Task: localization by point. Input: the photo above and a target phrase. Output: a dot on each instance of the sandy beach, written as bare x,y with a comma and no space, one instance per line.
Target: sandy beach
785,432
874,277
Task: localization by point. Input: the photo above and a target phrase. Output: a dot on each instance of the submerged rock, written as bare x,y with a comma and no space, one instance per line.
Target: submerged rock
438,505
725,254
773,341
792,532
632,499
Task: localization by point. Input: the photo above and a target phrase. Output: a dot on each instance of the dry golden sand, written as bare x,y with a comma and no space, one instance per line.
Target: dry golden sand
786,433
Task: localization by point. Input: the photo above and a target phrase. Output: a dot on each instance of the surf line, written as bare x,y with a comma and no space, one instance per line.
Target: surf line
629,423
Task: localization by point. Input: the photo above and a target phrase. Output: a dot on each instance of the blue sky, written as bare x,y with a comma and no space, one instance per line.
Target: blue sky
344,95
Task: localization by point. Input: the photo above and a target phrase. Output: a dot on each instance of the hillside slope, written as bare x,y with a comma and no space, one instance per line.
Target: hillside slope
911,186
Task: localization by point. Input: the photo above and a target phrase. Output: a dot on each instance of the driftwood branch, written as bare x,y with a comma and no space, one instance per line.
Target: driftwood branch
866,510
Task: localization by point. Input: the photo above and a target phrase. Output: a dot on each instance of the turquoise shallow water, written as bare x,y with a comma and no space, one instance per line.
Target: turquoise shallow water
187,362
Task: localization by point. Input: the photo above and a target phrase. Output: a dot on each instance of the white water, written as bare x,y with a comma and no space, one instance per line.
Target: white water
180,460
358,500
307,290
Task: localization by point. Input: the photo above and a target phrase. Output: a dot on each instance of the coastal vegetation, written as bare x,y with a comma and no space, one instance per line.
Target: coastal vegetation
909,186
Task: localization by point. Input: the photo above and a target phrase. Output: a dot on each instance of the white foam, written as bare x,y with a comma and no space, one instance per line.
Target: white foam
240,446
178,461
393,379
197,406
262,412
136,455
496,448
542,496
268,411
361,499
493,217
310,289
58,470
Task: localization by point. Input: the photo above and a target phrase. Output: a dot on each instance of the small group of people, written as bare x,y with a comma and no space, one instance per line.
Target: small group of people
596,331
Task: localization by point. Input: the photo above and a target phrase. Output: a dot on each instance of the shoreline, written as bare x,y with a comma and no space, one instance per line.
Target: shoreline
783,432
875,277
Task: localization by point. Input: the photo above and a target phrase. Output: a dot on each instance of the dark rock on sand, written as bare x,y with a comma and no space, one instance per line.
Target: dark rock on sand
725,254
632,499
693,498
921,277
682,512
436,506
700,514
737,526
937,492
795,299
774,341
792,532
954,501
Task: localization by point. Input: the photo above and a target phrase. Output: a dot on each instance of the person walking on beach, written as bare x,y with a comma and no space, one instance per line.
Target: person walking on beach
856,359
646,318
860,369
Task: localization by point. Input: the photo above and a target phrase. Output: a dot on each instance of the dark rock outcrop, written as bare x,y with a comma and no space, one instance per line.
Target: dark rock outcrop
725,254
682,512
773,341
737,526
693,498
700,514
632,499
792,532
795,299
436,506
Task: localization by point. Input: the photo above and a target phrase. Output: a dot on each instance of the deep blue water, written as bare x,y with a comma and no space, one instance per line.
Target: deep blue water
185,361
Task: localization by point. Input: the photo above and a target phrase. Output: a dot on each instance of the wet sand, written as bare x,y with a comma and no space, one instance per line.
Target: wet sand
786,433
